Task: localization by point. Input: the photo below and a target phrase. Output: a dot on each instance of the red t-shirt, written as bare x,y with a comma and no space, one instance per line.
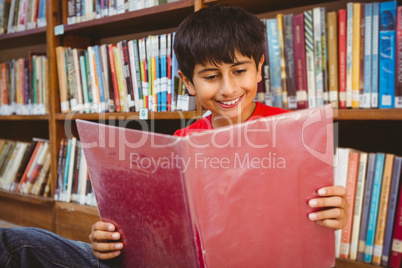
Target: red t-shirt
261,110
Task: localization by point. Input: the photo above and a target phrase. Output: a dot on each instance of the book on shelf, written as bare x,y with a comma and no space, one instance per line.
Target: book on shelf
171,205
395,258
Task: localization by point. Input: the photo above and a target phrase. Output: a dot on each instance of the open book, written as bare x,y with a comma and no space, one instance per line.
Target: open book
233,197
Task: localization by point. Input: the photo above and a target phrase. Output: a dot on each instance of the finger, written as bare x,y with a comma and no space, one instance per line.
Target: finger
106,247
335,224
332,190
334,213
102,235
105,226
334,201
107,255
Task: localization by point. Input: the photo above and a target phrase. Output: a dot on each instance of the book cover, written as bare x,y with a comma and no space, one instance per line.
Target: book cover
349,53
227,206
300,61
356,54
362,52
283,63
365,100
393,199
387,49
290,61
318,59
398,78
366,206
383,209
396,247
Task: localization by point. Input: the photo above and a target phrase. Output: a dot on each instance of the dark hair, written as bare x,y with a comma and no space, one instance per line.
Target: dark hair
214,34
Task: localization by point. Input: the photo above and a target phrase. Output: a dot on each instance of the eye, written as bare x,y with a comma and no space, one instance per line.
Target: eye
240,71
211,77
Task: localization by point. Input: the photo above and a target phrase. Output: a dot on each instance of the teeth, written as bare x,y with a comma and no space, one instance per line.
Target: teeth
231,102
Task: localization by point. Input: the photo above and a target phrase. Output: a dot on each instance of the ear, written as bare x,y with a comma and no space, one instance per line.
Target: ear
259,70
187,82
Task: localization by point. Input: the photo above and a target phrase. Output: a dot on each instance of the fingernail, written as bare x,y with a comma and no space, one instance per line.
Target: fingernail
115,236
110,228
313,202
119,246
117,253
322,192
312,216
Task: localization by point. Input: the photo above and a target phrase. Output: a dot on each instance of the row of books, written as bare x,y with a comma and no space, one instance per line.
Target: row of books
21,15
349,57
73,183
23,85
25,167
373,233
85,10
122,77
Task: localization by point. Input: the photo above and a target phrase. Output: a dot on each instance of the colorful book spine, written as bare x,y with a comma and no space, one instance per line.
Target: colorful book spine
366,206
395,185
387,37
300,61
375,55
274,62
324,50
138,75
163,70
362,52
333,77
310,66
358,205
349,54
395,260
133,74
353,169
365,101
319,79
383,209
114,78
375,202
281,42
398,78
342,57
356,55
290,61
101,81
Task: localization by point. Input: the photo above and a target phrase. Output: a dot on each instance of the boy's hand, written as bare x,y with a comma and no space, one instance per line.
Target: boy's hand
103,241
335,213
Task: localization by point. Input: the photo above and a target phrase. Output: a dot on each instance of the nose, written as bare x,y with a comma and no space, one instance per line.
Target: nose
228,86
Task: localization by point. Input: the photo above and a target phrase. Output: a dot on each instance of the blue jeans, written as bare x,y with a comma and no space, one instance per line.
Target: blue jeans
33,247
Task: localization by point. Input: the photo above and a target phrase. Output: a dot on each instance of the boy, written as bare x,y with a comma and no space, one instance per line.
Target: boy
220,54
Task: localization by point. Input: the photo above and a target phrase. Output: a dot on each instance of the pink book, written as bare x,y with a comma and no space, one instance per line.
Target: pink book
342,58
235,196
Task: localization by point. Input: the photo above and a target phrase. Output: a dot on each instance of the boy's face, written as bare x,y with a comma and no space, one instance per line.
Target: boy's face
227,90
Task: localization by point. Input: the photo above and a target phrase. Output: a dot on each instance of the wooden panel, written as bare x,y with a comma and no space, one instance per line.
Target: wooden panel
75,221
43,117
342,263
31,37
27,210
126,116
368,114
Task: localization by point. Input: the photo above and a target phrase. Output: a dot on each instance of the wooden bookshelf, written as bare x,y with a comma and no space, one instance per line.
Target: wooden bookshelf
125,116
20,39
43,117
368,114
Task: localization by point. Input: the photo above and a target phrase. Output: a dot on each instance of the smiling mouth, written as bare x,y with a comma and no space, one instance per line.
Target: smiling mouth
232,102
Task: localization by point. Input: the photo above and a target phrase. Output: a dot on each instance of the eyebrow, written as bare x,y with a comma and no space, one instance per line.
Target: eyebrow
233,65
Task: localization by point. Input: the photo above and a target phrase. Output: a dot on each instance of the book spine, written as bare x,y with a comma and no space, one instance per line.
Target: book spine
383,209
61,158
365,101
362,52
78,83
366,206
310,66
349,54
375,200
395,260
101,81
87,105
350,197
274,62
126,74
143,69
290,61
356,55
164,77
396,177
114,78
354,241
324,50
375,55
319,79
118,59
333,84
109,96
300,61
398,79
133,74
281,43
138,74
387,36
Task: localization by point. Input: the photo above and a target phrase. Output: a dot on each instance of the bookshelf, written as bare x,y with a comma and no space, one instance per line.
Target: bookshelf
365,129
